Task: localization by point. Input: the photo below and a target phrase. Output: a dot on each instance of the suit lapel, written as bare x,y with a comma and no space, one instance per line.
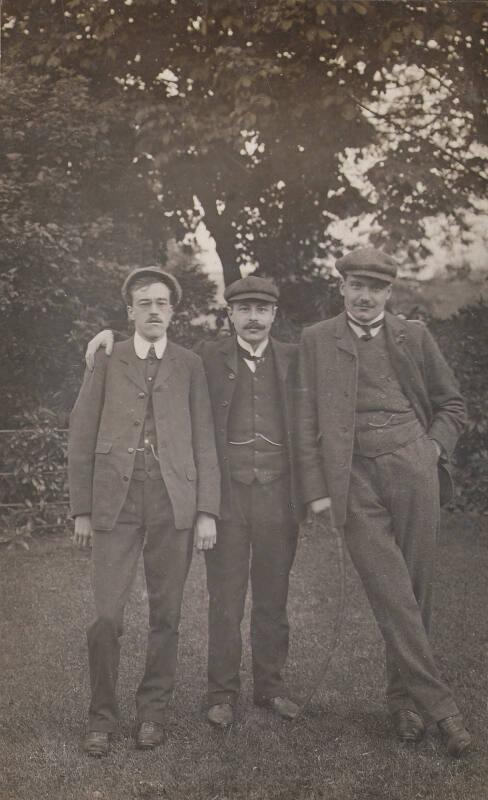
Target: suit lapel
402,360
231,357
344,336
134,366
229,354
166,366
282,359
282,362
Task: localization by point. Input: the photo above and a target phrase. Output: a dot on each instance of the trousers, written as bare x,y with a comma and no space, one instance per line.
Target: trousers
145,524
391,532
259,541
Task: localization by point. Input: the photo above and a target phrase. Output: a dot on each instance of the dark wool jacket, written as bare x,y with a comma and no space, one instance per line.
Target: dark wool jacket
327,402
105,427
220,360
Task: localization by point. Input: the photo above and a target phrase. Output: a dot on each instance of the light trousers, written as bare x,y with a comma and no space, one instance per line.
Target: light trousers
391,532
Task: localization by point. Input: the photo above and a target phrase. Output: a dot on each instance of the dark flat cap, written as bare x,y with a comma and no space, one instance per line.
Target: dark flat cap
252,288
369,262
159,275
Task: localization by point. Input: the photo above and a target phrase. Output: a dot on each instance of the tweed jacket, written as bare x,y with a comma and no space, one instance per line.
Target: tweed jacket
220,359
327,401
105,428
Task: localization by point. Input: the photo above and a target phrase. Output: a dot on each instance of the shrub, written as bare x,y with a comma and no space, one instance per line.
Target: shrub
464,341
33,483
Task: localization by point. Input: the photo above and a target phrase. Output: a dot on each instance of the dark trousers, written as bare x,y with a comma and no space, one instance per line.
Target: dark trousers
146,524
261,539
391,532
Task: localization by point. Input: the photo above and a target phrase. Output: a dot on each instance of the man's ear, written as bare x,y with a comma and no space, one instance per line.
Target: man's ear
342,284
130,312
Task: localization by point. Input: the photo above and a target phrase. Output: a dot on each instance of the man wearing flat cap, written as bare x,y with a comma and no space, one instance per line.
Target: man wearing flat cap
379,416
143,473
252,383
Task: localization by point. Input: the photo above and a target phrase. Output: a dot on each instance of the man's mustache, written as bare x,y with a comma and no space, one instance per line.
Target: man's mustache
155,319
254,326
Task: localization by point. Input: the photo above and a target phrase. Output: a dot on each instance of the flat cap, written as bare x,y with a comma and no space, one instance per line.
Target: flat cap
369,262
159,275
252,288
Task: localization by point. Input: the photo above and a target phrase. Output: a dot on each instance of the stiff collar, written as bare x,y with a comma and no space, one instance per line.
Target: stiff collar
359,329
258,352
142,346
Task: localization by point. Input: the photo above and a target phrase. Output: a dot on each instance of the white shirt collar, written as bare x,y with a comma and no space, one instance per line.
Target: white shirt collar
259,349
360,331
142,346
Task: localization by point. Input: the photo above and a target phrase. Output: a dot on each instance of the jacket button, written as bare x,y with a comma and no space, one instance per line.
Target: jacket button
137,422
231,376
141,395
225,403
126,477
130,450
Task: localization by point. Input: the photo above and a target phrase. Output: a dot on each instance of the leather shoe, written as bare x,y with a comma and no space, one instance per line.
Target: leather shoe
221,715
96,743
408,726
149,735
458,739
282,706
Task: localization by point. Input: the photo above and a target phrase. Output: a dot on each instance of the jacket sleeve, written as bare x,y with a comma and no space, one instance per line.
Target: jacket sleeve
203,437
83,433
448,408
311,471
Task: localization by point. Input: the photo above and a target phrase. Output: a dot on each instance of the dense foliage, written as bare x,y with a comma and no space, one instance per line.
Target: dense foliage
246,112
464,341
286,126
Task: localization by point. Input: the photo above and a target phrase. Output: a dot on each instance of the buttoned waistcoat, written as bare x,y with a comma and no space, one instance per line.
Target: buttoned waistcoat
105,427
220,360
327,402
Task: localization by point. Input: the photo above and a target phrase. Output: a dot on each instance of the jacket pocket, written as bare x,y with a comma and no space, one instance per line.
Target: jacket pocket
103,447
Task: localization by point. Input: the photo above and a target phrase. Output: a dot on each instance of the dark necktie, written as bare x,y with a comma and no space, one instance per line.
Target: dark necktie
367,327
151,365
245,354
149,430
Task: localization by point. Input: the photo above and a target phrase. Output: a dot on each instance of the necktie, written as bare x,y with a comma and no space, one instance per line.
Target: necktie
367,327
149,429
246,354
151,365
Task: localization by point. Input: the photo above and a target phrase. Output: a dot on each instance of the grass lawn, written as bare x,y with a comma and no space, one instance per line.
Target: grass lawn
341,749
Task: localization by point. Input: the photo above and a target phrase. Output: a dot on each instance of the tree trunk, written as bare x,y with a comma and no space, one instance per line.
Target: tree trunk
222,231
